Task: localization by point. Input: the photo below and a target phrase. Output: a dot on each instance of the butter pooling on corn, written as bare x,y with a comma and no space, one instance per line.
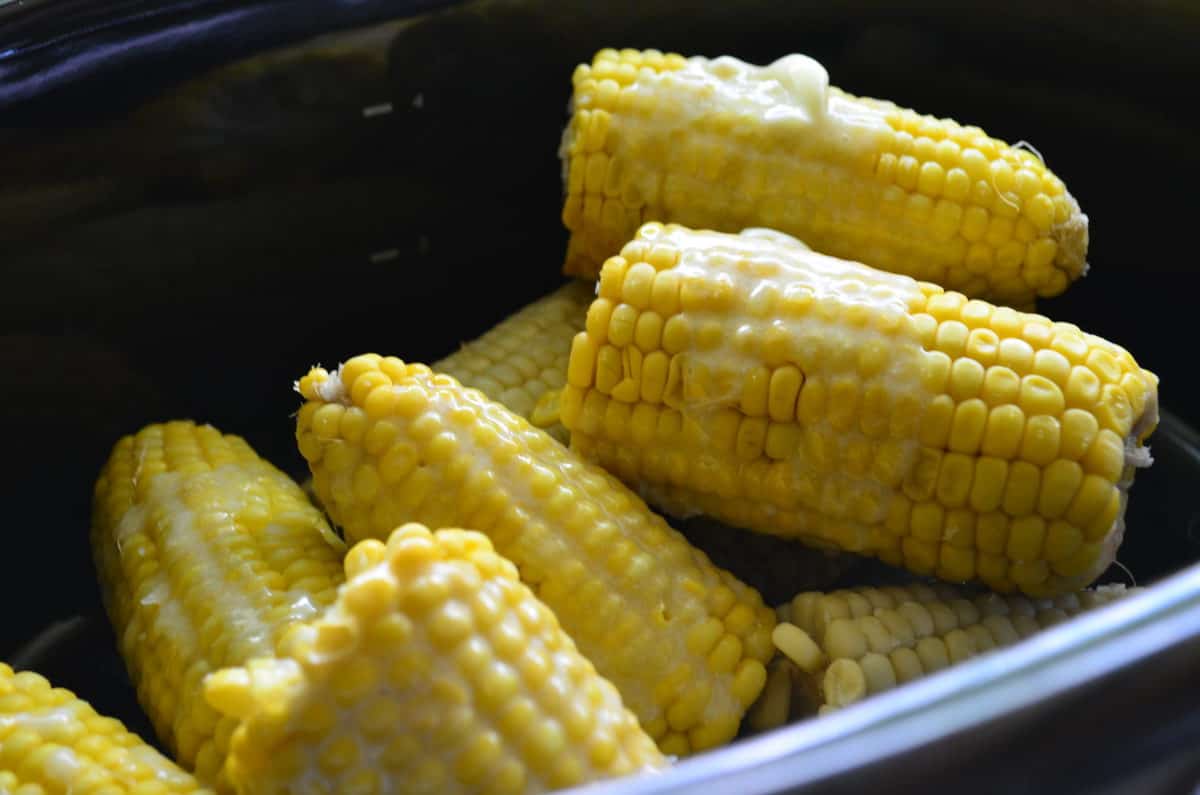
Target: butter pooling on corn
843,646
207,554
746,378
524,357
722,144
435,670
683,641
53,743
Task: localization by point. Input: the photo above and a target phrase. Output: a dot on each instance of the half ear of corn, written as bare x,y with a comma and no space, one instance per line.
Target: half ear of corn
435,671
721,144
748,379
847,645
207,554
683,641
525,356
52,743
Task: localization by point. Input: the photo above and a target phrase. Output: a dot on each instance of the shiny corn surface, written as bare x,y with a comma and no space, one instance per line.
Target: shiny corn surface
53,743
206,555
722,144
683,641
524,357
749,379
846,645
435,671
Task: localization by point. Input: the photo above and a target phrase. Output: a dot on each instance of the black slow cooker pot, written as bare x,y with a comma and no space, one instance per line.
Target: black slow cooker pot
200,199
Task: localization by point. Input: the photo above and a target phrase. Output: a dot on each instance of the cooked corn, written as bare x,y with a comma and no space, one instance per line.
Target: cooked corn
525,357
850,644
753,381
683,641
721,144
206,554
52,743
435,671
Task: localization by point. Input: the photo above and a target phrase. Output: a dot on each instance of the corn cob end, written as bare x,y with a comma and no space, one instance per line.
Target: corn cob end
435,670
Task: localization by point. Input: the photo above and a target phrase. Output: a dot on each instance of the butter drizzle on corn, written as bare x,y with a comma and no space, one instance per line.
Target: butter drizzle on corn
435,671
684,642
722,144
748,379
207,555
53,743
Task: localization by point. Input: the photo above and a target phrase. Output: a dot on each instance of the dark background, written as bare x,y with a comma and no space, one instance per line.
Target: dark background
182,239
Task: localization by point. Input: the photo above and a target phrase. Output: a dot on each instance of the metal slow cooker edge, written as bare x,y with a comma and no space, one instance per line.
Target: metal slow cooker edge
237,191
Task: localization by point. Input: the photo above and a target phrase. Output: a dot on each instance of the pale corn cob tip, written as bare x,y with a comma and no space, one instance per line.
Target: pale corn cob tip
522,362
683,641
744,378
842,646
435,670
52,742
206,554
725,145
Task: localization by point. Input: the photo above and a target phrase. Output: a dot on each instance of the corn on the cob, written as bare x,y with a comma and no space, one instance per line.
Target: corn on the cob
206,554
435,671
683,641
52,743
525,357
725,145
847,645
747,379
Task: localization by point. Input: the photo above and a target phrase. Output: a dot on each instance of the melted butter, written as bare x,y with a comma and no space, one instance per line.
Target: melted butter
223,590
43,721
831,316
789,96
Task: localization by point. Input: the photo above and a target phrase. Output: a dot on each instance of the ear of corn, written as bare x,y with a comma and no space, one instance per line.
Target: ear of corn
772,388
524,357
683,641
435,671
721,144
206,555
52,743
846,645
